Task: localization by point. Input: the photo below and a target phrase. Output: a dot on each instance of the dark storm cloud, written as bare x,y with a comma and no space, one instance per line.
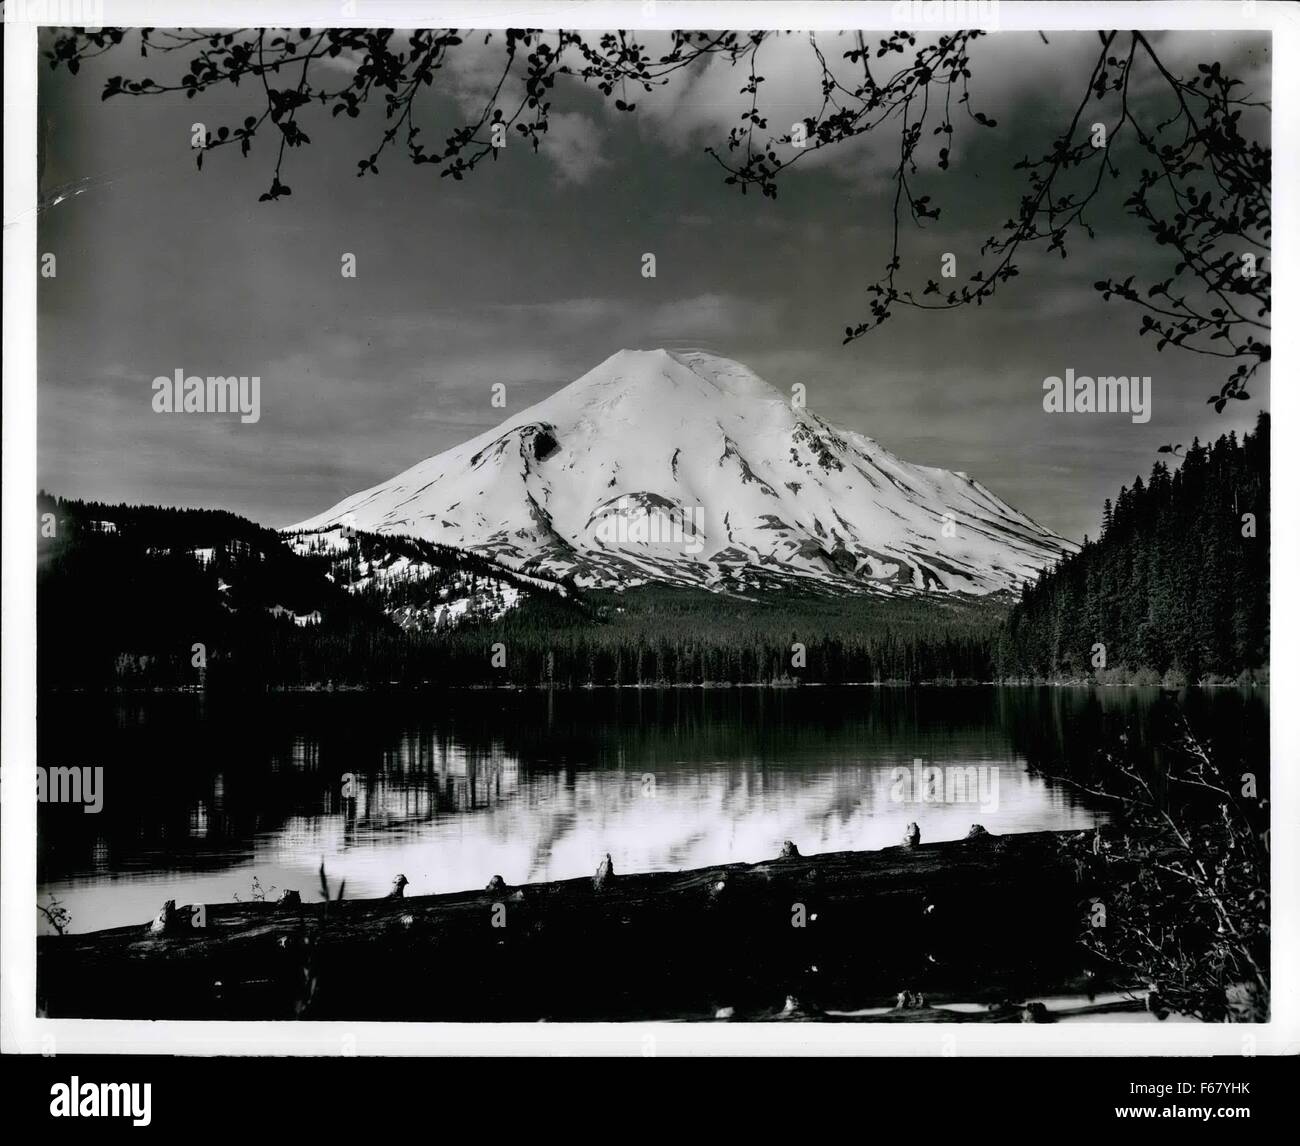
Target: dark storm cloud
528,273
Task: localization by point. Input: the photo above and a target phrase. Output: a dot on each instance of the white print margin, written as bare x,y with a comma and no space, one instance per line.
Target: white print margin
21,1031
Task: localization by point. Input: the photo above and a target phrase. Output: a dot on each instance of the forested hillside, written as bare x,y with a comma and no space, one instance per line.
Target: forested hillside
1176,588
144,597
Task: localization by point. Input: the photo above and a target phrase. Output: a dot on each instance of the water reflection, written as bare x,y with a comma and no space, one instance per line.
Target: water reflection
202,794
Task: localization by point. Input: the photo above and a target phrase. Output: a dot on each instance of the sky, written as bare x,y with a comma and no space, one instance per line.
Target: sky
529,273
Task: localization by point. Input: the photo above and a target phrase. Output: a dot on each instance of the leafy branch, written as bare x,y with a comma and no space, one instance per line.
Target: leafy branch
1202,190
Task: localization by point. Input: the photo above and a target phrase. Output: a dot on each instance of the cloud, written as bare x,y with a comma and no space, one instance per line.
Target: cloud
711,315
573,143
1016,79
698,106
473,77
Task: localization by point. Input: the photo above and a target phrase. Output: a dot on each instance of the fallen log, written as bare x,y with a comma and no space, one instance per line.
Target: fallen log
985,919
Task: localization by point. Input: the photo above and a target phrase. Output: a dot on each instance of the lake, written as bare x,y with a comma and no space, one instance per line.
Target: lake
204,794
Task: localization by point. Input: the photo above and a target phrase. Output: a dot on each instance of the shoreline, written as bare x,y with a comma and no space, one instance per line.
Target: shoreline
988,921
706,686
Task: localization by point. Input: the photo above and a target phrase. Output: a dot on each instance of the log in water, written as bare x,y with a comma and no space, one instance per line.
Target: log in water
989,919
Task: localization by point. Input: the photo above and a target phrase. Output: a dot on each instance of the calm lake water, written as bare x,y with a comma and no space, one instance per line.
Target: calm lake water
202,794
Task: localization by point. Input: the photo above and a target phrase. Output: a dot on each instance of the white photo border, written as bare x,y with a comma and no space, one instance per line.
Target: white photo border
21,1031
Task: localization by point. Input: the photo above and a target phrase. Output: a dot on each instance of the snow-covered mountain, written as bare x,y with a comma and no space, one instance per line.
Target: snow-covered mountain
688,468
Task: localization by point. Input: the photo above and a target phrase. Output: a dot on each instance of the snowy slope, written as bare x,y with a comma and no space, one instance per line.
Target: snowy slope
688,468
418,589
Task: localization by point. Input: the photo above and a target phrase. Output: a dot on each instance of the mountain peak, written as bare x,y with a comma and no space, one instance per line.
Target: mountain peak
663,369
685,466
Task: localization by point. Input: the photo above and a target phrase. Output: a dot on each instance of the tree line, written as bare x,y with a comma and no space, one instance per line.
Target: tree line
1175,591
149,597
1176,588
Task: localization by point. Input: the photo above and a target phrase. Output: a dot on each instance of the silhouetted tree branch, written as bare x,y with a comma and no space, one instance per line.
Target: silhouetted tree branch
1204,191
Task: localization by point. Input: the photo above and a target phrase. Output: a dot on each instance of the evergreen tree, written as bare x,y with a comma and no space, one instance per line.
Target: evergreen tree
1175,588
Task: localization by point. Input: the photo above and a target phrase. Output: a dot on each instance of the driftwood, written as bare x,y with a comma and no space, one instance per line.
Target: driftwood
986,919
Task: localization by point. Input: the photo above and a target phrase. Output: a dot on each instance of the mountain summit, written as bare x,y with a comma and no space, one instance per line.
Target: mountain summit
688,468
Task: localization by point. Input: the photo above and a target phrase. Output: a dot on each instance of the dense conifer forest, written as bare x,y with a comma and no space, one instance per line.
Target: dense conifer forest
1176,588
